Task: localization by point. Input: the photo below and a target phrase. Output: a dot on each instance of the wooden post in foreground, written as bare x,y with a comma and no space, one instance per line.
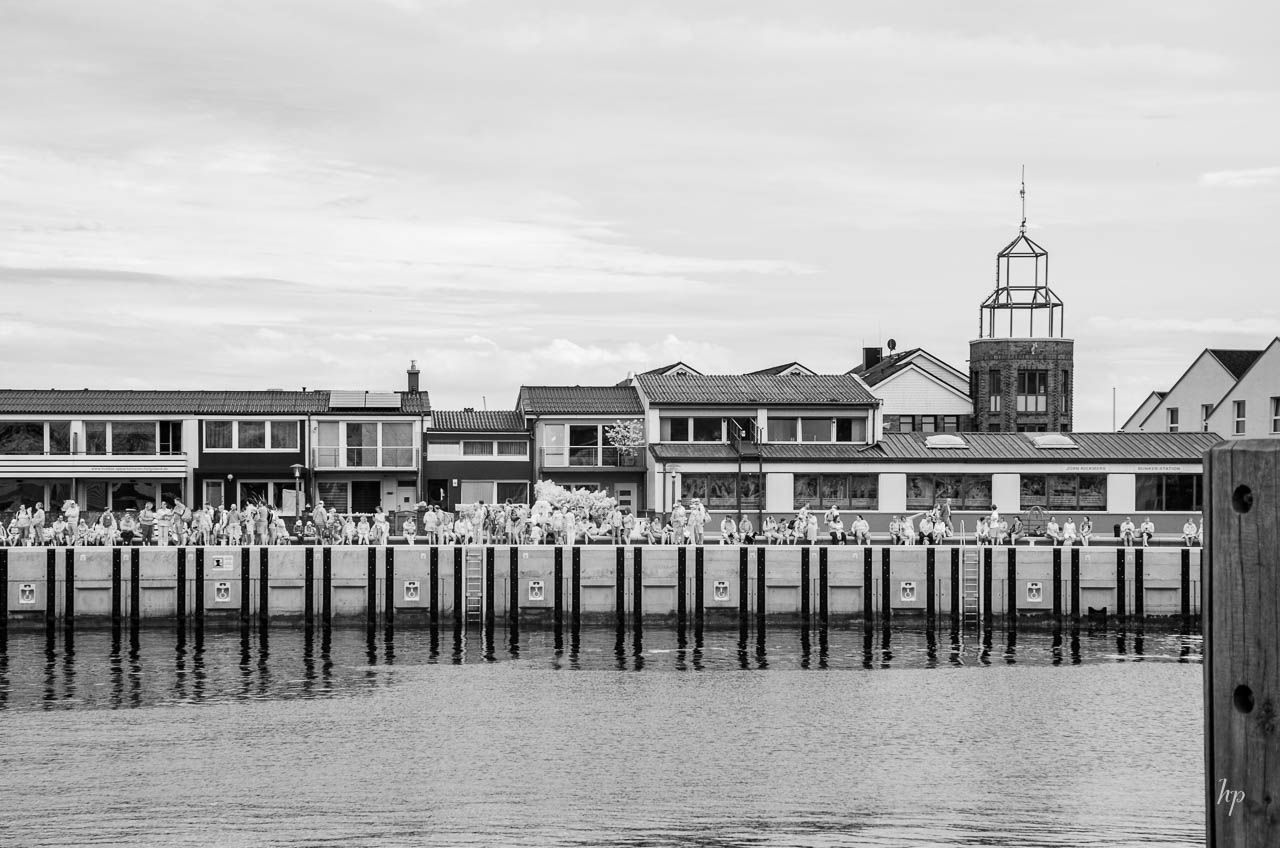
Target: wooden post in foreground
1241,615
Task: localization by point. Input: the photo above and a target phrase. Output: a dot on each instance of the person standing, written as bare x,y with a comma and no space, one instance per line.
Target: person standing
944,512
678,518
698,518
37,524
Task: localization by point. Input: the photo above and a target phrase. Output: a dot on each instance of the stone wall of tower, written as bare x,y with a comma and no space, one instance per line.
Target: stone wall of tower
1008,357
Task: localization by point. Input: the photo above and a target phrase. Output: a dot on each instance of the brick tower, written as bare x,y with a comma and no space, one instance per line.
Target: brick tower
1021,382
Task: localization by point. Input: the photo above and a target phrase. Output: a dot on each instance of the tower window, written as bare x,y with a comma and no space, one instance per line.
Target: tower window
1033,391
1172,419
993,389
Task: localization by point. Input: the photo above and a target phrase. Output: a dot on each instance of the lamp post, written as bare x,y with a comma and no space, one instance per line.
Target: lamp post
297,490
674,470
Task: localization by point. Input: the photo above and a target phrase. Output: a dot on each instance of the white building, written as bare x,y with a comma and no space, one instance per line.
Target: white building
1186,406
1251,407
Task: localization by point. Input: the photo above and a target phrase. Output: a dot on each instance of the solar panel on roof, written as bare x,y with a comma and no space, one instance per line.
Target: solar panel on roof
363,400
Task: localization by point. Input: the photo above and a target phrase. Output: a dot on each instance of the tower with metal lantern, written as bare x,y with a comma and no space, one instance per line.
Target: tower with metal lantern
1021,366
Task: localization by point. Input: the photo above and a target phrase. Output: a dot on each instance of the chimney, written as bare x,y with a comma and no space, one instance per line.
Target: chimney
413,375
871,357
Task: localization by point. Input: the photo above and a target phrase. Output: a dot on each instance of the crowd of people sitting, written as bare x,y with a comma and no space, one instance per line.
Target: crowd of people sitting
174,523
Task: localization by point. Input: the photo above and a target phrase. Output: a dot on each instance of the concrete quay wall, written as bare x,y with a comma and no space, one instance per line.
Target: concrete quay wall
225,585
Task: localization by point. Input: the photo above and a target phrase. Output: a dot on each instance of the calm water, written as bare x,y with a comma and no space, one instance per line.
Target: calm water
789,737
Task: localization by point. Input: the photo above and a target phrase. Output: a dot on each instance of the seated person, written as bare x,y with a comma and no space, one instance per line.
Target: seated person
1200,533
926,529
1086,530
746,532
908,530
1147,531
981,532
1190,535
997,531
895,531
728,531
1069,535
1017,531
861,531
1052,531
939,533
1127,532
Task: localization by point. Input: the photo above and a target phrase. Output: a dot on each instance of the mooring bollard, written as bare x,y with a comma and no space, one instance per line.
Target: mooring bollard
1241,613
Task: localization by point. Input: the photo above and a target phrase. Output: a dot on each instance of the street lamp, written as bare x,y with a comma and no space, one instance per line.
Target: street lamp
674,470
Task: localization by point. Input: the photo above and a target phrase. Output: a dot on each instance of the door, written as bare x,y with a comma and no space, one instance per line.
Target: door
213,493
366,495
626,495
437,493
406,494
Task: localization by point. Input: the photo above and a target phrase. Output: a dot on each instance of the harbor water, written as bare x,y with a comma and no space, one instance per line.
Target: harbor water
783,736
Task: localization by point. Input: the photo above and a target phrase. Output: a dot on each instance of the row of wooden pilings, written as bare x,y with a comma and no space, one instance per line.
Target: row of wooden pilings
324,584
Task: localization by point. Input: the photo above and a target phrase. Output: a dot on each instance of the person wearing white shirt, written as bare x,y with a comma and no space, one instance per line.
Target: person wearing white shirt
1051,531
728,531
1127,532
861,531
1147,531
1189,532
1068,533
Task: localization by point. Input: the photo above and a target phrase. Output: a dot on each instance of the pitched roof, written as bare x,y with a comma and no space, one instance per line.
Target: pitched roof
1144,410
667,369
1090,447
478,420
1235,361
716,389
579,400
784,368
885,368
126,402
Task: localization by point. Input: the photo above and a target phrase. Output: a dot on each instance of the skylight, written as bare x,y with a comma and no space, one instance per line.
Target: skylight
1053,441
945,440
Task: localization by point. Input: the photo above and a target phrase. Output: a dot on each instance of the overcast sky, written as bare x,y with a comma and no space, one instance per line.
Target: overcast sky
260,194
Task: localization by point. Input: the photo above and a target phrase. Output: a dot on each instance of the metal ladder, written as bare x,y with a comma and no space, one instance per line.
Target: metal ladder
473,584
970,579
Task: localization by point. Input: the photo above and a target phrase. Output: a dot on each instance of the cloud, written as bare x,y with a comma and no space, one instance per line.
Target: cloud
1247,178
1260,327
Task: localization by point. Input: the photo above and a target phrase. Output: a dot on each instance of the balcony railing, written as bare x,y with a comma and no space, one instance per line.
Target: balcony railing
18,464
592,456
364,458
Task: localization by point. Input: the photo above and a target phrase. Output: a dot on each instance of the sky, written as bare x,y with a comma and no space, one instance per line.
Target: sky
259,194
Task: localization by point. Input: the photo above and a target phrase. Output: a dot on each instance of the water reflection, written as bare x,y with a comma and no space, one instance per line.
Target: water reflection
67,668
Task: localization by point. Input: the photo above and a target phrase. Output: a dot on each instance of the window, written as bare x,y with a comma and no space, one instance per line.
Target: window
397,444
847,491
1168,493
516,492
1237,408
1275,418
928,424
25,437
967,491
1206,409
335,494
60,437
1171,419
218,435
708,430
723,491
170,437
783,430
478,449
815,429
994,389
906,423
1033,391
513,448
1064,491
251,435
675,429
362,444
1065,388
133,437
951,423
284,435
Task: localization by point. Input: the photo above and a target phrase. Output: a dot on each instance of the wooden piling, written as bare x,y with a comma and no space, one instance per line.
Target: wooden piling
1240,598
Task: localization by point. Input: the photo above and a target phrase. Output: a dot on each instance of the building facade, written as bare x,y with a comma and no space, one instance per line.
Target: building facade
474,456
921,393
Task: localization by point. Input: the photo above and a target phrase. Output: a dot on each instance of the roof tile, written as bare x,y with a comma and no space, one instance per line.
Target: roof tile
579,400
797,390
482,420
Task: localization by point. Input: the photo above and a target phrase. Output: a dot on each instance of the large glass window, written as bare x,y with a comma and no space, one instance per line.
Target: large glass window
584,444
1168,493
708,430
60,437
218,435
783,430
334,494
516,492
95,440
1031,490
251,435
967,491
362,444
24,437
815,429
848,491
397,444
1033,390
136,437
513,448
1064,491
723,491
675,429
284,435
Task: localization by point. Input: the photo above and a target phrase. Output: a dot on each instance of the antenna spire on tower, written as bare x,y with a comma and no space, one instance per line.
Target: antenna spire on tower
1023,194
